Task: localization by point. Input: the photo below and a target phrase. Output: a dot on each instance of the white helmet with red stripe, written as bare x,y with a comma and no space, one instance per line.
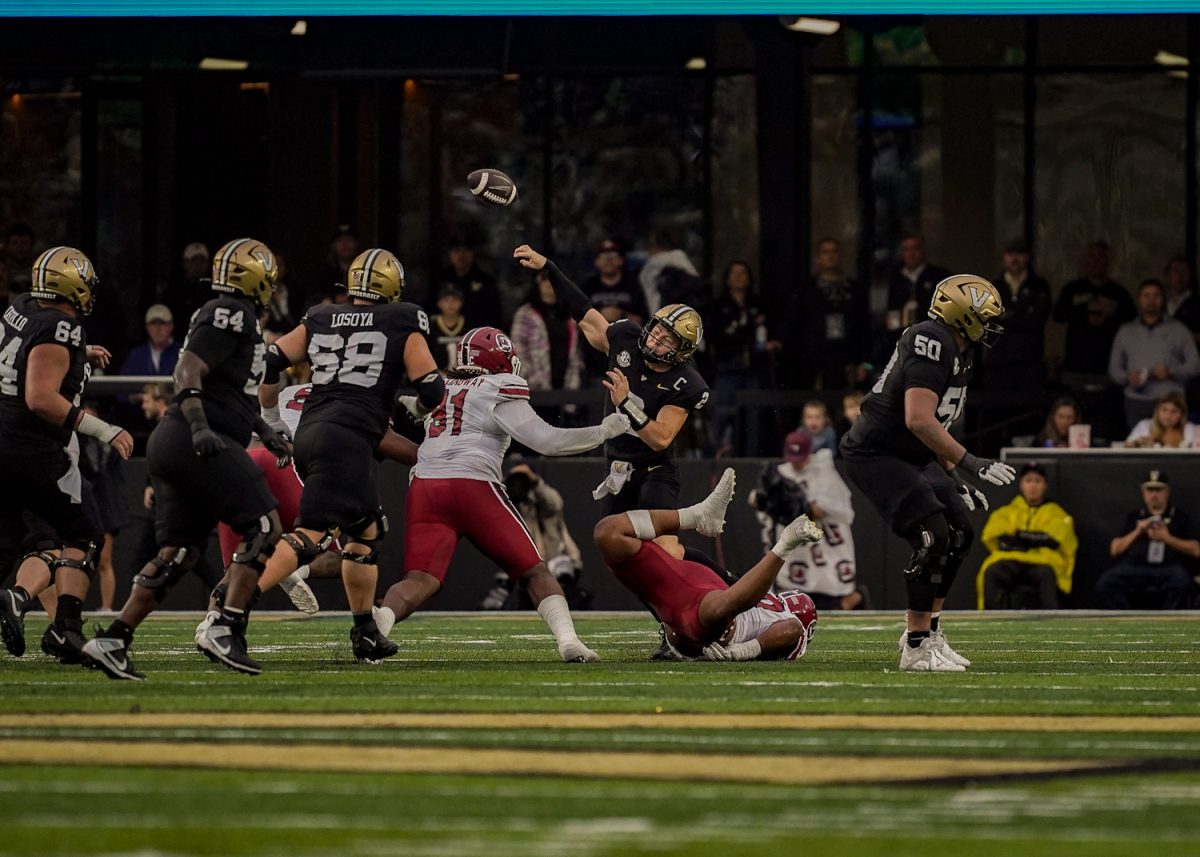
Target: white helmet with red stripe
488,351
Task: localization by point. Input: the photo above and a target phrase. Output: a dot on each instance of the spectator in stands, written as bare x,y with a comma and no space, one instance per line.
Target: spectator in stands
1154,554
1031,546
160,352
447,326
837,321
736,327
815,423
616,294
1183,304
1093,307
1151,356
1169,427
669,276
541,508
910,289
807,482
331,283
1064,413
851,408
18,248
1016,362
185,294
481,295
547,340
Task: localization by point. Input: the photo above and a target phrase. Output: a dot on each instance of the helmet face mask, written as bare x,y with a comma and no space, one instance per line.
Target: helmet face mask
376,275
683,323
970,306
65,274
245,267
487,351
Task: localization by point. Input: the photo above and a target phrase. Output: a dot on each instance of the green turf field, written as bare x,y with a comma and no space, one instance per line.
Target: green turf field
1069,735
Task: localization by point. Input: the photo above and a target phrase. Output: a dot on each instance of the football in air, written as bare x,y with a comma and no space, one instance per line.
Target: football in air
492,186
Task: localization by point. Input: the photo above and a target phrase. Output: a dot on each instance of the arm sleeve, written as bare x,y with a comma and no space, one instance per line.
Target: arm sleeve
524,425
573,298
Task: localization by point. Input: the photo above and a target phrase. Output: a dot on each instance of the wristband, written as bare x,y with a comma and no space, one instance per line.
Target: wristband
98,428
187,393
72,418
637,417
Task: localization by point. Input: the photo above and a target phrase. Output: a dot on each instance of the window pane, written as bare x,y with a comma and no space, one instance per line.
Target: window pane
735,224
1105,40
835,206
119,203
954,41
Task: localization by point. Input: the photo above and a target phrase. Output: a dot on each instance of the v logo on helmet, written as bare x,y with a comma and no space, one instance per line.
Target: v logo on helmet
978,298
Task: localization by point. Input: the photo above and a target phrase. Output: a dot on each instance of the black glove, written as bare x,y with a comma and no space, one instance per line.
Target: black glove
277,445
207,442
1035,539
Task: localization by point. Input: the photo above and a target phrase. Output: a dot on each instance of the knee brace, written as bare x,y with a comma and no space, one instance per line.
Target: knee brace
925,571
45,556
257,543
306,549
355,531
167,571
87,565
961,539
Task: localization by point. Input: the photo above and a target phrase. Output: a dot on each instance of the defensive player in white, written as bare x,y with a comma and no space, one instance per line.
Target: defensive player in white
808,482
458,487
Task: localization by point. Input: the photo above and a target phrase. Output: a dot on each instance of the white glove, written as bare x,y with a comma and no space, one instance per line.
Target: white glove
972,497
717,652
747,651
989,470
614,425
411,405
272,418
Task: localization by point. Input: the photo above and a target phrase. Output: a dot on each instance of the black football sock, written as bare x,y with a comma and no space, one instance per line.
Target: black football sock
70,613
120,629
363,620
693,555
915,638
933,623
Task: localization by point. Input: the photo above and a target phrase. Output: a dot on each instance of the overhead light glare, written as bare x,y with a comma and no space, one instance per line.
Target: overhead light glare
300,28
696,64
1168,58
817,26
218,64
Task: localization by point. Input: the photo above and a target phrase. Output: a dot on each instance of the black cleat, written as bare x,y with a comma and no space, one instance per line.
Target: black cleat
66,645
12,624
222,643
111,654
370,646
666,651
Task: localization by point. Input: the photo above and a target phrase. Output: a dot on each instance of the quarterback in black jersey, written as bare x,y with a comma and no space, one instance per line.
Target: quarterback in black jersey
361,353
198,463
45,362
901,455
651,380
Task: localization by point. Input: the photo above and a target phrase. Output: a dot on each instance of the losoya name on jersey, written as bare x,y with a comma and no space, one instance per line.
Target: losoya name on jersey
352,319
15,319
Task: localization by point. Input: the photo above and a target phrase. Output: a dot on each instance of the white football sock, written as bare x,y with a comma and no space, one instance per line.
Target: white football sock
557,616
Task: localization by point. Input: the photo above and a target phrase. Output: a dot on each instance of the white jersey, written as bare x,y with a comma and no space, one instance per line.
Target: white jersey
463,440
291,404
751,624
825,567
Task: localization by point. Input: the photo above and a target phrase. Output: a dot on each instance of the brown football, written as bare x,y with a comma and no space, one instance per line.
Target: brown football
492,186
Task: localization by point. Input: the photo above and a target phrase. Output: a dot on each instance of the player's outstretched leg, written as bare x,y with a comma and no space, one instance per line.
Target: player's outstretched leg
551,604
924,576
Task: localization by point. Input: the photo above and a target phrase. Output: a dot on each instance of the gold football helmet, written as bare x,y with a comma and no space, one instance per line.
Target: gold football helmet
968,304
245,267
65,274
681,320
376,275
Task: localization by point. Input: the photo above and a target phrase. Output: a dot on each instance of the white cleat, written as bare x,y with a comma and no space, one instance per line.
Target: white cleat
385,620
575,652
209,617
948,653
927,658
712,508
802,531
300,593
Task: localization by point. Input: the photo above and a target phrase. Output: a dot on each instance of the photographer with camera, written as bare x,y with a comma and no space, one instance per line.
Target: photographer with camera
1031,546
808,483
1154,555
541,508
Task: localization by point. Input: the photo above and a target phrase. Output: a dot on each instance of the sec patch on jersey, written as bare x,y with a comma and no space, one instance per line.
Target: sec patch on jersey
492,186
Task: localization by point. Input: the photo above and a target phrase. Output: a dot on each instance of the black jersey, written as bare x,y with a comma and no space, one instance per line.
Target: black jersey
926,356
681,386
27,324
357,355
226,334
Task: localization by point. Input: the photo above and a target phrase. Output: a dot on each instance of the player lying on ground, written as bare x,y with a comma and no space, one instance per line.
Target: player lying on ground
704,615
458,488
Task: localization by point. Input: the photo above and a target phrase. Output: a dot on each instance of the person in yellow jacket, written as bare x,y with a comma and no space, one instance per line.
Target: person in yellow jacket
1031,543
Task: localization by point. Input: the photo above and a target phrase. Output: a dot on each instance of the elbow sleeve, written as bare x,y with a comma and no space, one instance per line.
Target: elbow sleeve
430,390
277,364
